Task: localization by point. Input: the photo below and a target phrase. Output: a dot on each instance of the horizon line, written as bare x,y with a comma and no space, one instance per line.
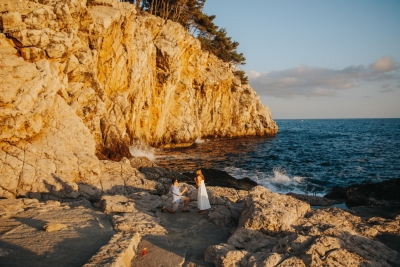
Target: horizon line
349,118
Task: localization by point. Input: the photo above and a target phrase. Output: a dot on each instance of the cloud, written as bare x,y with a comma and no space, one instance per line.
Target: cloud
386,88
384,64
317,82
253,74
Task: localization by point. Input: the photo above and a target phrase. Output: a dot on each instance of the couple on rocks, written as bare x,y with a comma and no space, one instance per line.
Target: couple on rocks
203,203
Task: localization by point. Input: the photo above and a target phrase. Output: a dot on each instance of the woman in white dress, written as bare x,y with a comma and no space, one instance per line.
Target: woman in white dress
202,197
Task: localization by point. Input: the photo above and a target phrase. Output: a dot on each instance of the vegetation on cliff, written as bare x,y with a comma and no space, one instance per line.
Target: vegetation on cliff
189,13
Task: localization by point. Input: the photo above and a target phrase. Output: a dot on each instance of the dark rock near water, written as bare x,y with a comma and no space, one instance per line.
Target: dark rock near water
142,162
215,177
114,150
337,192
368,194
156,173
164,176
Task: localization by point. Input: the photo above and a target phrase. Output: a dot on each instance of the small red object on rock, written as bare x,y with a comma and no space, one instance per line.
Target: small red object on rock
144,251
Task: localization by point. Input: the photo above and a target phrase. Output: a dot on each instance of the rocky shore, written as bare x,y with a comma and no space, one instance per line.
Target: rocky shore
252,227
83,80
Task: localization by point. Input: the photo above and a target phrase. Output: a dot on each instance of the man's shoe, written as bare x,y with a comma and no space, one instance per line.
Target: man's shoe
185,210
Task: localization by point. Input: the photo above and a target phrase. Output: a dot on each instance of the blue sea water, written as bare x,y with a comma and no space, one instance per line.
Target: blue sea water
306,156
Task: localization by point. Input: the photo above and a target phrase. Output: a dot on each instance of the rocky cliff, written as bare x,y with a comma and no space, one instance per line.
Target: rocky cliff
83,80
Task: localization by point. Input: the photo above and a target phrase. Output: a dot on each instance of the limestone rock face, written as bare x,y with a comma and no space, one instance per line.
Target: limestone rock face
44,145
271,213
83,80
278,230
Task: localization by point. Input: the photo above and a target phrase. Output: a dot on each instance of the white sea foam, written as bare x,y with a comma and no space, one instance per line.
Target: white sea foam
139,149
279,181
298,179
280,177
200,141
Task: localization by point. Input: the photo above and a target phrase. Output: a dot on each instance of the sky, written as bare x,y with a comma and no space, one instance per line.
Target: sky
318,58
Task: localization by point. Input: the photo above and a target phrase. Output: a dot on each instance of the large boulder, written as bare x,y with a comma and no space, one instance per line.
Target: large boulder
271,213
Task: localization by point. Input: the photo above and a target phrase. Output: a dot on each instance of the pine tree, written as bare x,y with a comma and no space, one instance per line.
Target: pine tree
189,13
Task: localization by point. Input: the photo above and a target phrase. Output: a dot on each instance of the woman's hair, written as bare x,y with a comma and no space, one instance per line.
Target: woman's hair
173,180
199,173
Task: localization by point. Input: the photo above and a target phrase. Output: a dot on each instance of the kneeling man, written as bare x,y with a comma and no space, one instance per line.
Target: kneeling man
177,198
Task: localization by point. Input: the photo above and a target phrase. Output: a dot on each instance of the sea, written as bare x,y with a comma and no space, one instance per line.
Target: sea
306,156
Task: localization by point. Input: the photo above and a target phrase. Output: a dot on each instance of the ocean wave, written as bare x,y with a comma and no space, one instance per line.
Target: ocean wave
277,181
313,156
201,141
139,149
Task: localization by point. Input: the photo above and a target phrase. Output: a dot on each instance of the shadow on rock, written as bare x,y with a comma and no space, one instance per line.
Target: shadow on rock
47,234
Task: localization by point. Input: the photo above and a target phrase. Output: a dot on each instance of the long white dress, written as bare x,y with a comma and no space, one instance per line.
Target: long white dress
202,197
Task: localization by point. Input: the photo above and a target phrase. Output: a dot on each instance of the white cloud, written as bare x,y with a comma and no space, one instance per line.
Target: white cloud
316,82
384,64
253,74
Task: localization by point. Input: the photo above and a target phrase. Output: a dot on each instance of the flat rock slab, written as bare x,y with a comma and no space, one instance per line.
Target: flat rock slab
189,235
25,242
160,252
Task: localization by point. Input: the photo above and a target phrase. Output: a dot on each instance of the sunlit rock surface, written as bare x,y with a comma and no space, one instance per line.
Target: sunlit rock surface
83,80
279,230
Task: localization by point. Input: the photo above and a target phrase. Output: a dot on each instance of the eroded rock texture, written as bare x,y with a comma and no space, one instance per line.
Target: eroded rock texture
82,80
279,230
